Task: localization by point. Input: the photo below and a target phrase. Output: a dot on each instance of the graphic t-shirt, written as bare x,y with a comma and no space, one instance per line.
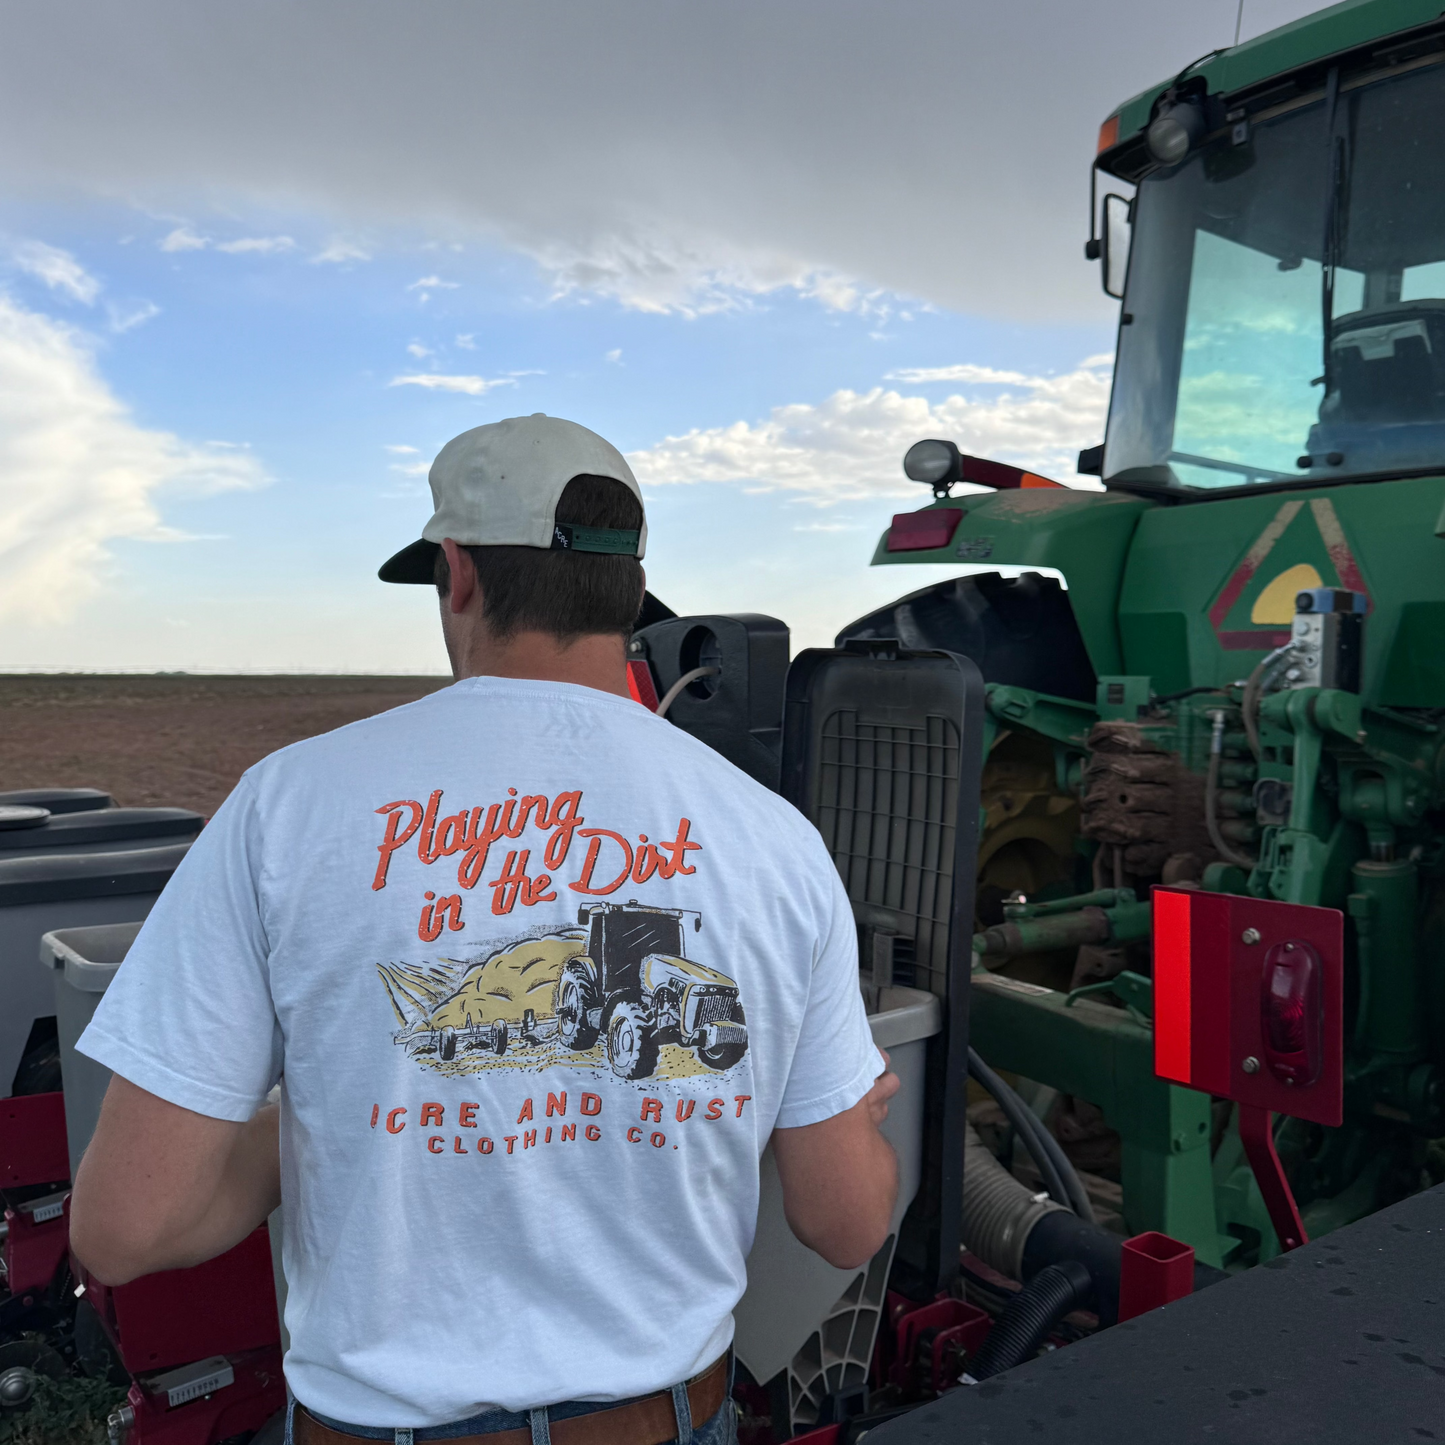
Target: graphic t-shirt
539,974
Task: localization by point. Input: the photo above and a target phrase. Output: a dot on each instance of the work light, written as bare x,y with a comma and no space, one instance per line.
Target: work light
1175,131
935,463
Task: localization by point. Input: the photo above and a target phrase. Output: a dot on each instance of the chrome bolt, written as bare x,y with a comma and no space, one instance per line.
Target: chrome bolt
1250,1065
1250,935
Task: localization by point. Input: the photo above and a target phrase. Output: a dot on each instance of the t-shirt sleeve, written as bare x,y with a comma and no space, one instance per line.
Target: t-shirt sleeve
189,1016
835,1061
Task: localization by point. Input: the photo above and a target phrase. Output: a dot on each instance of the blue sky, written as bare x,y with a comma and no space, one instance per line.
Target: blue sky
208,438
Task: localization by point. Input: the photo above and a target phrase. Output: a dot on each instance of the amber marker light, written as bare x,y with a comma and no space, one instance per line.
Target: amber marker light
1108,134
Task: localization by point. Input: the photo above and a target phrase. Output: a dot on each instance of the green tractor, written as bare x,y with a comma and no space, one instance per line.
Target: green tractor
1243,686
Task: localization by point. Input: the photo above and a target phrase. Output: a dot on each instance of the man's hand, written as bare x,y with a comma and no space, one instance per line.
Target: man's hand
161,1187
840,1178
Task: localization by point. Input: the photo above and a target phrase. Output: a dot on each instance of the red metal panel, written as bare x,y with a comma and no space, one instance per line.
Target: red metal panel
1224,946
222,1307
33,1148
33,1252
258,1392
923,531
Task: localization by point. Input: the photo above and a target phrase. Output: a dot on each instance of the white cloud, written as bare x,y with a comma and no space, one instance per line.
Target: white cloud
58,269
260,245
183,238
471,385
339,252
964,371
851,445
614,356
402,451
432,283
411,469
137,313
77,472
891,148
416,349
467,340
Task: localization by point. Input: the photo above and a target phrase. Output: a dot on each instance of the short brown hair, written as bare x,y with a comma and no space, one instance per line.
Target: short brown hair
569,594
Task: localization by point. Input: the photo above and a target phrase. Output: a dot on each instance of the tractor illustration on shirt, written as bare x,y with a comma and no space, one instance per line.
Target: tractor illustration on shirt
634,987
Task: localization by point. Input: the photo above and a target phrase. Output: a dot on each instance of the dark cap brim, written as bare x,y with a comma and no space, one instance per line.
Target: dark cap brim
416,563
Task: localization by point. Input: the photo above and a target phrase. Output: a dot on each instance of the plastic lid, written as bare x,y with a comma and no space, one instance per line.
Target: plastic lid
101,825
17,815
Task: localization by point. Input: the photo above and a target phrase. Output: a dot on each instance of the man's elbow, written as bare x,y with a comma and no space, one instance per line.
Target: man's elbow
855,1247
116,1245
107,1256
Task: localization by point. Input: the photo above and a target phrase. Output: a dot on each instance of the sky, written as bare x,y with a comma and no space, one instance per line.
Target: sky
259,261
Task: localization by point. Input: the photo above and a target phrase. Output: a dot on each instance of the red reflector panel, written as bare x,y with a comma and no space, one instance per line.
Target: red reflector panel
641,685
923,531
1173,985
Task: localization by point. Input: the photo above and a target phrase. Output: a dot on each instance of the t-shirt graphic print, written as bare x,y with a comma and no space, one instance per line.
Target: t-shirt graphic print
539,974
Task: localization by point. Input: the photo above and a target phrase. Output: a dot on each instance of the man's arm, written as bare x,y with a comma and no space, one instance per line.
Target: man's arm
161,1187
840,1179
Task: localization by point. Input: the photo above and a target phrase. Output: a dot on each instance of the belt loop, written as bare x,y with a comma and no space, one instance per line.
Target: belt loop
403,1435
682,1408
290,1418
541,1427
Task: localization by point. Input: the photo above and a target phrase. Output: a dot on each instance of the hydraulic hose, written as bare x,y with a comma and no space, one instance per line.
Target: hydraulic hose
671,695
1254,686
1030,1315
1211,788
1059,1175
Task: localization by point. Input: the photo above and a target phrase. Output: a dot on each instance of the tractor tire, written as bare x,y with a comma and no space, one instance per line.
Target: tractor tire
446,1044
724,1056
499,1037
631,1042
575,996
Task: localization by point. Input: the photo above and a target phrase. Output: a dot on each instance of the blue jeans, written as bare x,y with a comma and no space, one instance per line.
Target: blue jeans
721,1428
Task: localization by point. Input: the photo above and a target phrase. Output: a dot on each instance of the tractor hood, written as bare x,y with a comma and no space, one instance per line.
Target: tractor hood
661,968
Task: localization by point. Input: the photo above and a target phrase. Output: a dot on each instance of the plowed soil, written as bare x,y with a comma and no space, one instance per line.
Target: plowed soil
172,740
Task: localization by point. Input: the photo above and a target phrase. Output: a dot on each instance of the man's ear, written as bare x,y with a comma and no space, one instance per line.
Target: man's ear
463,575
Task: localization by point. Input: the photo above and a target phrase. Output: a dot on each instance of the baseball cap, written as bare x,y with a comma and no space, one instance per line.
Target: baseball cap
498,486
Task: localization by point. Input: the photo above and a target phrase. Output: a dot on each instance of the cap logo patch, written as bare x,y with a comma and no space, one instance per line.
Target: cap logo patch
567,538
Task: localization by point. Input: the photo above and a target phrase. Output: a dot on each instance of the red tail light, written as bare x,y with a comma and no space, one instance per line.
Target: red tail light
1292,1012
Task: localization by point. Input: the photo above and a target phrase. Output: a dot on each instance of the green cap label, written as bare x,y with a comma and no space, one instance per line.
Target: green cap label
567,538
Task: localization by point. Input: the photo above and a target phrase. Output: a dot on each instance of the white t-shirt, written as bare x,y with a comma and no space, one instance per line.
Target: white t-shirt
519,1149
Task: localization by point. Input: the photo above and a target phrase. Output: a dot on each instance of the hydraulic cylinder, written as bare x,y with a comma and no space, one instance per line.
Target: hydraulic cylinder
1383,907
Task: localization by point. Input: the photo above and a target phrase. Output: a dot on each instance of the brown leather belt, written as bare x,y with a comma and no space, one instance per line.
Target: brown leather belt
649,1421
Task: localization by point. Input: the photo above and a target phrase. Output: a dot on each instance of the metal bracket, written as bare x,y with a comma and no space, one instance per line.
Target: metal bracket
1256,1132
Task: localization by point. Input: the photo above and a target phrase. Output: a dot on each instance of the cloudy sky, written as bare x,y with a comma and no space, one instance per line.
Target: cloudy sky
259,261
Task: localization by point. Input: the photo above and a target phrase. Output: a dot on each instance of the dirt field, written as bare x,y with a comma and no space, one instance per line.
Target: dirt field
176,740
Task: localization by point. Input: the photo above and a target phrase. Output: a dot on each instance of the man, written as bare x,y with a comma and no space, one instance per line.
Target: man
539,974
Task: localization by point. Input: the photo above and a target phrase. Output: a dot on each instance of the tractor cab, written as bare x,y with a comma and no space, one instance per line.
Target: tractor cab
1283,290
621,936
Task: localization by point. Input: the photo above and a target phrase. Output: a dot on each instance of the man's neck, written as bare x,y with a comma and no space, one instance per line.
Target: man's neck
595,660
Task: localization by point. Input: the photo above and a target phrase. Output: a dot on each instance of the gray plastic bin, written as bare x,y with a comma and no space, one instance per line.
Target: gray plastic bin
798,1312
60,891
83,961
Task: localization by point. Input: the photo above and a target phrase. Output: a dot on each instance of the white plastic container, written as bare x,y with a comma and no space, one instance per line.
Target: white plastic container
799,1313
